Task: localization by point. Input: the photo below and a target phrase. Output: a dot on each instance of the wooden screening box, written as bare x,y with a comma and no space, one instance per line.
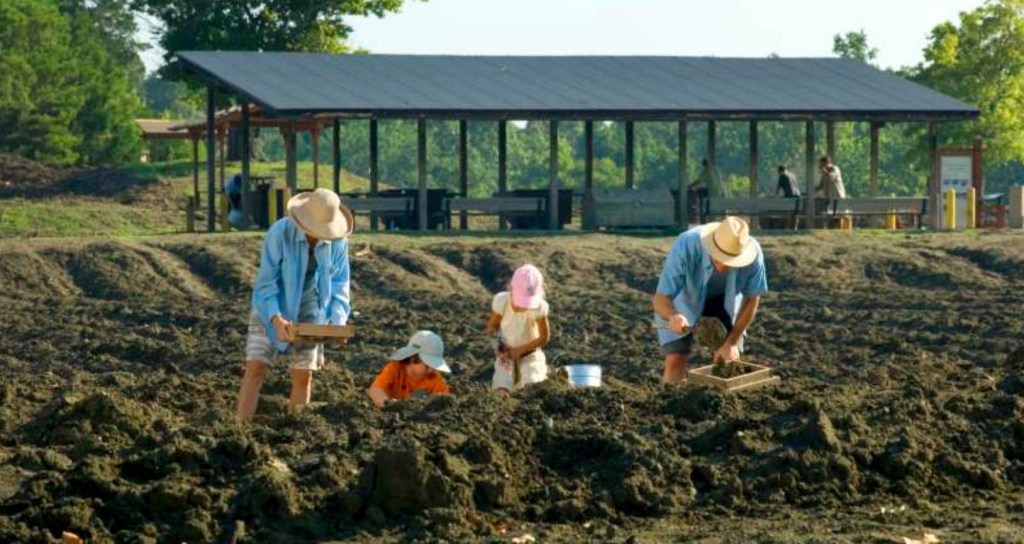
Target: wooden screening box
311,333
756,376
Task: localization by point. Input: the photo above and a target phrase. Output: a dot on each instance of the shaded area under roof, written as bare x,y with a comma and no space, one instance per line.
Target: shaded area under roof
573,87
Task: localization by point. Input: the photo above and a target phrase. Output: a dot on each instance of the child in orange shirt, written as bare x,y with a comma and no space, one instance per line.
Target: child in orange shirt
416,367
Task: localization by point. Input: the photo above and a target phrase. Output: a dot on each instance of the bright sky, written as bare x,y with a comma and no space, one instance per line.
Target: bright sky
740,28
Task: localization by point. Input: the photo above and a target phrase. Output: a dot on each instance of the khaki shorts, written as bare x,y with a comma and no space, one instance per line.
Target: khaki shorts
259,348
299,356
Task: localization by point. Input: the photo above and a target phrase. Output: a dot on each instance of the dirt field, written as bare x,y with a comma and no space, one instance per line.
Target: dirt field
900,412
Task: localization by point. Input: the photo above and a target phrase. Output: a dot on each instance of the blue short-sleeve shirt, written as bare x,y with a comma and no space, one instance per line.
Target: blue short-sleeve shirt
685,274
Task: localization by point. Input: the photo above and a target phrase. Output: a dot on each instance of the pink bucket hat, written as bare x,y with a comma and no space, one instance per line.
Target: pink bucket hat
527,287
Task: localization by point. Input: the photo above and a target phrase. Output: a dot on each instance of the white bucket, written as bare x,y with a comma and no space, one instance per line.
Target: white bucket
584,375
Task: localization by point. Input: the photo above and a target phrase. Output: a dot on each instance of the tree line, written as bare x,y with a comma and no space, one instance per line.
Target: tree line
72,82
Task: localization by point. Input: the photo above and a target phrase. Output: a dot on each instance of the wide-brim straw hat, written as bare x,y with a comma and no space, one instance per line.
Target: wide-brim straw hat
729,242
320,214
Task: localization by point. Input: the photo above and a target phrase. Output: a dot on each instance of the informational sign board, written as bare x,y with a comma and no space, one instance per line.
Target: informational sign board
955,173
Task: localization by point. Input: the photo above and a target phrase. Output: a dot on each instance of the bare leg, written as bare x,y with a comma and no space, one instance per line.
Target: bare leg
675,368
302,389
249,393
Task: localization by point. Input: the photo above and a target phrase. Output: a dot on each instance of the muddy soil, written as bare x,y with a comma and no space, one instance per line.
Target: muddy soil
900,411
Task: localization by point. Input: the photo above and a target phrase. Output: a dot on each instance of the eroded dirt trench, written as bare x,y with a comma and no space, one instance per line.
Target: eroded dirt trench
900,409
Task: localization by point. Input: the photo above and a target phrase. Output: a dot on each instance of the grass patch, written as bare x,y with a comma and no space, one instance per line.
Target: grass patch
84,217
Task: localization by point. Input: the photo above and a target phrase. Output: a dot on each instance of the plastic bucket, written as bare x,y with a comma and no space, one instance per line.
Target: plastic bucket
584,375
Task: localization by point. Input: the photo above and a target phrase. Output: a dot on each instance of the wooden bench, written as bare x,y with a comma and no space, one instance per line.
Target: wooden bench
376,204
498,205
914,206
634,209
790,208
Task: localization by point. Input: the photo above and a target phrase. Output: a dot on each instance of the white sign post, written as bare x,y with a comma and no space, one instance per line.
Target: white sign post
955,173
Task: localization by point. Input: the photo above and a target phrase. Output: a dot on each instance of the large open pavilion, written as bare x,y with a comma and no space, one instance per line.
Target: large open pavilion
293,90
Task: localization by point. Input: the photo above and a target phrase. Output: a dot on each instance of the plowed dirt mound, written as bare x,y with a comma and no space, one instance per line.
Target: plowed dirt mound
900,408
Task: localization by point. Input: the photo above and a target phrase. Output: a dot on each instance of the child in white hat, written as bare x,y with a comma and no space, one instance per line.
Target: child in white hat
416,367
520,317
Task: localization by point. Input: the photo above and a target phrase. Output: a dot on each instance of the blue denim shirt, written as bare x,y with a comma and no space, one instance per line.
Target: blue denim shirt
685,274
278,285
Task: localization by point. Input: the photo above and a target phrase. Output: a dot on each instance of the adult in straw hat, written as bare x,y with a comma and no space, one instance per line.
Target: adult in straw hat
714,270
303,278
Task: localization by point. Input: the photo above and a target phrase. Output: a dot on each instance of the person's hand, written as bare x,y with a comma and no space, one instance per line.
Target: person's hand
283,328
678,324
514,354
727,353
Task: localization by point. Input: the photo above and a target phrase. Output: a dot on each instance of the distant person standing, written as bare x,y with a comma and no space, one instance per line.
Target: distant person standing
787,183
789,188
831,186
710,180
831,183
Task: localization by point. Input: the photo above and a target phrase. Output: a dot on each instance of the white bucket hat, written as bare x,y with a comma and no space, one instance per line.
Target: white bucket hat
321,214
729,242
428,346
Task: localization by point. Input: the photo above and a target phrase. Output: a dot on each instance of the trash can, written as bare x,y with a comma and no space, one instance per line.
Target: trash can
401,221
529,220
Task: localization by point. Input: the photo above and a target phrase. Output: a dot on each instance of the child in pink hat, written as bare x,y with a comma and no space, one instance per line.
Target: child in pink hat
520,317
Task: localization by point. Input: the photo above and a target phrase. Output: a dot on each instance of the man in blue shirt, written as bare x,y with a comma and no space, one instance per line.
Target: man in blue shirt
714,270
303,277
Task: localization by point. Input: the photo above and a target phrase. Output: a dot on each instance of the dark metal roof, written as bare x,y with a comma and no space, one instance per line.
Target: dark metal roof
592,87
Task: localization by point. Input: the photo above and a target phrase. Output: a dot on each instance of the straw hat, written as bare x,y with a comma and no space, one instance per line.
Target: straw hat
729,242
321,214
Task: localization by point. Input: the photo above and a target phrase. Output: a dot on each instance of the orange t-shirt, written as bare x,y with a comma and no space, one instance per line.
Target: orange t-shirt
394,381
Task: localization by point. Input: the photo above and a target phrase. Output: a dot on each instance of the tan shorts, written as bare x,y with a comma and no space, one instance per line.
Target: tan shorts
259,348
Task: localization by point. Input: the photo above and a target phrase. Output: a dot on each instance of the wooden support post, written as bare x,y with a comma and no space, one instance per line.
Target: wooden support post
934,199
222,141
502,156
502,165
374,169
972,211
712,151
195,168
753,159
553,176
873,179
630,167
977,171
421,172
589,220
830,141
684,179
809,177
336,154
211,157
247,204
314,144
463,170
291,166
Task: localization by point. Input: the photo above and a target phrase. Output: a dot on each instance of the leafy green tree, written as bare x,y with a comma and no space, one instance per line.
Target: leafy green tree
38,95
256,25
854,45
980,59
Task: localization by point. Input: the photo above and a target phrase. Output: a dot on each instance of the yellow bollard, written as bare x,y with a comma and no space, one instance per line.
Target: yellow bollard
950,209
272,203
224,212
971,209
